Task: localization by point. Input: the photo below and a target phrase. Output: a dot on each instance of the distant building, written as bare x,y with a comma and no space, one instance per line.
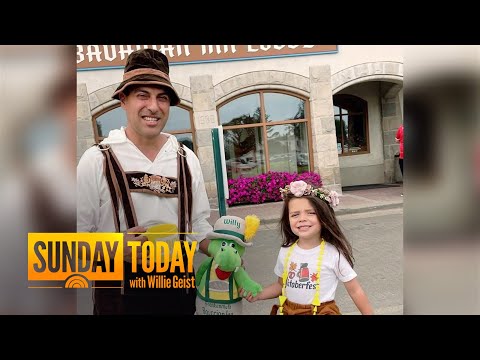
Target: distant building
324,108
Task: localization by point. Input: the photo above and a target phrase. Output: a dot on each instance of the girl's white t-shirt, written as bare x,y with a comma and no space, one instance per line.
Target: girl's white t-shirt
302,273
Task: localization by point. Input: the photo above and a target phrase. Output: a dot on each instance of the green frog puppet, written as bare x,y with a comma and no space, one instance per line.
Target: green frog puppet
220,276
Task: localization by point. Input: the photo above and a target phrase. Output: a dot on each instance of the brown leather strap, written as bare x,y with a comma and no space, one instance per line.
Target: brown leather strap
114,193
184,194
129,210
107,300
119,191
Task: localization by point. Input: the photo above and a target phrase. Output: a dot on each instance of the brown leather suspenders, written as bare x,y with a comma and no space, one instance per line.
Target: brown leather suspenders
119,187
185,194
108,293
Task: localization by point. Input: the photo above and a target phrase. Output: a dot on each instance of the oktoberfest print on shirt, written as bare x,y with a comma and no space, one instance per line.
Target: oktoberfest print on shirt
303,273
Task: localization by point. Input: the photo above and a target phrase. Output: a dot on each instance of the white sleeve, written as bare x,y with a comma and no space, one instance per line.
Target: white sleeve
278,270
343,270
89,171
201,205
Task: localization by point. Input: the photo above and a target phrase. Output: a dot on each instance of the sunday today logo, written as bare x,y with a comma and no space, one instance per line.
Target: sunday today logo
74,259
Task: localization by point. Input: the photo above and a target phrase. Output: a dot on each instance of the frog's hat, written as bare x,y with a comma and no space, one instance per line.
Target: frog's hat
235,228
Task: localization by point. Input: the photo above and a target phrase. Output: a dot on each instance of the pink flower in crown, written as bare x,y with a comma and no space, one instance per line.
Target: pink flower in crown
334,200
298,188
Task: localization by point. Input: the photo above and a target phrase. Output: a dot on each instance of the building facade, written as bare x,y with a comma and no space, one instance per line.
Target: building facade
330,109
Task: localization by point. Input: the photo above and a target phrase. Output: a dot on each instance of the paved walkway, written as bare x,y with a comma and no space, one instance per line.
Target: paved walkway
353,200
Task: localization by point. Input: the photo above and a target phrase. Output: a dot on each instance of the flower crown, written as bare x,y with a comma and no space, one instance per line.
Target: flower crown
301,188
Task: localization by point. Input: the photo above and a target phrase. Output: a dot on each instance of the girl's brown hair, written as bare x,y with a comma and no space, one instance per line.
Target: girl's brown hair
331,231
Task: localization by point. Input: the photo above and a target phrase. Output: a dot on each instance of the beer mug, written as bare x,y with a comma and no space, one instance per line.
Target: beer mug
167,233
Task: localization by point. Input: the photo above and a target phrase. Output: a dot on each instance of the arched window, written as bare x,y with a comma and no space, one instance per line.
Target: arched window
179,124
265,131
351,124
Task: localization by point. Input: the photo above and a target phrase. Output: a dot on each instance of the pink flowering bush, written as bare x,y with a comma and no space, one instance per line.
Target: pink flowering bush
265,187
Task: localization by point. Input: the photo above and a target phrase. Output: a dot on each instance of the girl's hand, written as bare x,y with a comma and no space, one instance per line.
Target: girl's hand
247,296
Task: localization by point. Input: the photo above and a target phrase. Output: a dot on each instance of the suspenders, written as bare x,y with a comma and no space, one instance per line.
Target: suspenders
185,194
107,293
120,189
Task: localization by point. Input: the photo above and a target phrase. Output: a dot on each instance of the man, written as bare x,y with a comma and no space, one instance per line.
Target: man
399,139
139,177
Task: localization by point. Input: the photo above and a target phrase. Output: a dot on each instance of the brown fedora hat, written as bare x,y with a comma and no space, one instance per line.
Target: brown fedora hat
147,67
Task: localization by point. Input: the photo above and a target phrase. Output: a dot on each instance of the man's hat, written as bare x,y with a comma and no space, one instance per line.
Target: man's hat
236,229
147,67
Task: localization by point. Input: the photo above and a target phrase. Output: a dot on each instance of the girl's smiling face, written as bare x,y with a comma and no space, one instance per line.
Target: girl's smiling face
304,221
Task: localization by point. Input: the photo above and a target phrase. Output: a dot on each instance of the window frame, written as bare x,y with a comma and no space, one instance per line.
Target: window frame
264,124
364,105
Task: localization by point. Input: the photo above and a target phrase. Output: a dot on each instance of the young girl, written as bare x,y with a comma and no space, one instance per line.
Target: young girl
314,255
